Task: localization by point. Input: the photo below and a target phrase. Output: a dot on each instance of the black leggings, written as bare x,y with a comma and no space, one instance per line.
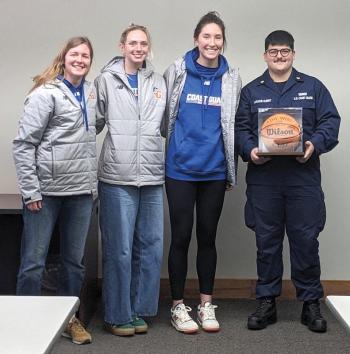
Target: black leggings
208,196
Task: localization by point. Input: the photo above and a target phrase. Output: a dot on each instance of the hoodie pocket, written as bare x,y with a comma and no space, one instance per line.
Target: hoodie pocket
197,157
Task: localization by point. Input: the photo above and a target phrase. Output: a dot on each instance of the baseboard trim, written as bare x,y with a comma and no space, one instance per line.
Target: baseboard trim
245,288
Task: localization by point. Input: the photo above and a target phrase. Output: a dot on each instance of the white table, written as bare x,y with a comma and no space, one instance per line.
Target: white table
31,324
340,306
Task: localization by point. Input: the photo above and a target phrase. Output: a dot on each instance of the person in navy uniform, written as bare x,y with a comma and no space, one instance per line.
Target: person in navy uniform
284,193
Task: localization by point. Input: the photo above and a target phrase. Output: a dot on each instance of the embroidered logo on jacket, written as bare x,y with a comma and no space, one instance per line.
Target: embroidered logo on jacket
92,95
303,96
135,91
266,100
157,93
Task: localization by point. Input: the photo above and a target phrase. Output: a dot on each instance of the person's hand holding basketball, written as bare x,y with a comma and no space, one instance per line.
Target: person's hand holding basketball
258,160
309,149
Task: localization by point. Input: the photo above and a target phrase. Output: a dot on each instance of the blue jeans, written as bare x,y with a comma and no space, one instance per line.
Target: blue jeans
131,221
73,214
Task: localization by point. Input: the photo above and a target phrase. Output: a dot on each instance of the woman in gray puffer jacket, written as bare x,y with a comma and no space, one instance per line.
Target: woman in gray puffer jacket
131,101
55,157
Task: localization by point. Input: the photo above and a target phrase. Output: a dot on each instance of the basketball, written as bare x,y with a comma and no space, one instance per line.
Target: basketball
280,133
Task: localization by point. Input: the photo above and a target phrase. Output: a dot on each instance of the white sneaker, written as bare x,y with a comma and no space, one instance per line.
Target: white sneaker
206,317
182,321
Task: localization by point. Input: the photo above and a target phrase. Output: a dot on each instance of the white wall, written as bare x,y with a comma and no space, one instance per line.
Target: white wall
31,32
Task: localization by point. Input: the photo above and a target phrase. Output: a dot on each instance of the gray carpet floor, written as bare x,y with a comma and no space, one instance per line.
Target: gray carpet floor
288,335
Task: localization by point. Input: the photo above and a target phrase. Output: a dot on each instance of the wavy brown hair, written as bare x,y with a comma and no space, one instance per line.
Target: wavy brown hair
57,66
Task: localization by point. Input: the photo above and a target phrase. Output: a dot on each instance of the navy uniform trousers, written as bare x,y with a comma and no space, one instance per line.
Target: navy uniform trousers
299,211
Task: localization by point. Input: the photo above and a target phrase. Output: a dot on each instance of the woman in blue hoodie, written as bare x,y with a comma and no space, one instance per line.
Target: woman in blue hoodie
203,93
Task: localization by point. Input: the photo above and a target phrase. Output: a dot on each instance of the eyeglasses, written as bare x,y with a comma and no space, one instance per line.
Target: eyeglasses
274,52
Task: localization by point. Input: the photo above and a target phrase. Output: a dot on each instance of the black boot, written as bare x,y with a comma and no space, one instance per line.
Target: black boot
264,315
311,316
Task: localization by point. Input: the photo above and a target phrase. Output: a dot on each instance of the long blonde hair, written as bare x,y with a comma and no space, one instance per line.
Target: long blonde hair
57,66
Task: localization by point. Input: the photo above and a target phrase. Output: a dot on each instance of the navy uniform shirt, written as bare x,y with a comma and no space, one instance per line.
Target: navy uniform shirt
320,126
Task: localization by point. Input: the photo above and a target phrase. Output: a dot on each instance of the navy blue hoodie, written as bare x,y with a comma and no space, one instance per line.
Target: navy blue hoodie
196,149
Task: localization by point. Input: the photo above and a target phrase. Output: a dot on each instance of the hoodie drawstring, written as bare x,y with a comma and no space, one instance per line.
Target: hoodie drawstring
205,102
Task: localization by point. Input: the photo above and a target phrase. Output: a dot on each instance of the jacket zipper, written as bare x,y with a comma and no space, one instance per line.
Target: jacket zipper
53,162
88,132
138,152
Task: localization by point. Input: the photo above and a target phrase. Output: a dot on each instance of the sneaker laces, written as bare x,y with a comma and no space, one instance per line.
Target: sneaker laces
78,327
181,312
208,311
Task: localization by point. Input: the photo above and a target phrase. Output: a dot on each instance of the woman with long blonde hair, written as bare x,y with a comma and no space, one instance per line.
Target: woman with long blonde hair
55,158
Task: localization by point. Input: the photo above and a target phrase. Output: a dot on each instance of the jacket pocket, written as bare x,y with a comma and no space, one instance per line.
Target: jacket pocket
53,163
304,104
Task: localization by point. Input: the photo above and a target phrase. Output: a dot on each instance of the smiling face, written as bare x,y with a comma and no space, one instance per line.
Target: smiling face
135,50
210,43
77,63
279,60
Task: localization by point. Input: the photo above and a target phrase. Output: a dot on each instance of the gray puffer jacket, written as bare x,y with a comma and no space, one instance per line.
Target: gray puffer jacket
132,151
54,153
175,77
